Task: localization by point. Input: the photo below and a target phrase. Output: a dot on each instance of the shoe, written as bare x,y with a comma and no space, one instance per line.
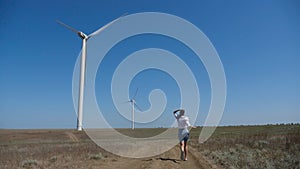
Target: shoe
182,155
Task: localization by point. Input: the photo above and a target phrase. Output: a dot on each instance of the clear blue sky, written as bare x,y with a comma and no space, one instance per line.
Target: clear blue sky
258,43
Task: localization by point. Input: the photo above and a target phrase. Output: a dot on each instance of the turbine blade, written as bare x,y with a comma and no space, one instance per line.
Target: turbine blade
127,102
138,107
105,26
67,26
136,91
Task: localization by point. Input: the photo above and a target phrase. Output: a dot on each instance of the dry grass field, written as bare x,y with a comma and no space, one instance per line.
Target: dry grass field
270,146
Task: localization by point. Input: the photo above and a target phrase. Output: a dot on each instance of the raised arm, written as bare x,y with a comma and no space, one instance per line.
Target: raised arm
175,115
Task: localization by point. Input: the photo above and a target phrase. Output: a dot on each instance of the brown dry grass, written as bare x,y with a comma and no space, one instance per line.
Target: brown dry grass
47,149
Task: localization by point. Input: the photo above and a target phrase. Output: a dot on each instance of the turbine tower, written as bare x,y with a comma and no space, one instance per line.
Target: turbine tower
84,38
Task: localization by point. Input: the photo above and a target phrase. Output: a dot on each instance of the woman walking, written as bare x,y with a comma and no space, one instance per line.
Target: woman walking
183,131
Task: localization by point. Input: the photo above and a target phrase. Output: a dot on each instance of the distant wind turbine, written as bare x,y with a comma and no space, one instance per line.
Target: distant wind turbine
133,103
84,38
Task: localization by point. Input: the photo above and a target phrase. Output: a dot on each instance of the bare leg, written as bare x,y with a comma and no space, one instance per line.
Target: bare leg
185,150
182,145
182,150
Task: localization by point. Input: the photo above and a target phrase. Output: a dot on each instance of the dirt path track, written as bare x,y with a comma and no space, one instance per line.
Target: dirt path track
168,160
72,136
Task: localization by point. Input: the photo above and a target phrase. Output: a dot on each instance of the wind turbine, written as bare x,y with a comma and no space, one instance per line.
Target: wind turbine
133,103
84,38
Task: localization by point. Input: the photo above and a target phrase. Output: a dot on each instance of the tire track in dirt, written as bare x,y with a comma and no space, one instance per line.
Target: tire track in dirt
167,160
72,136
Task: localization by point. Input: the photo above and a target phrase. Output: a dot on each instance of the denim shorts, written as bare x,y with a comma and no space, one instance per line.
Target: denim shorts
183,135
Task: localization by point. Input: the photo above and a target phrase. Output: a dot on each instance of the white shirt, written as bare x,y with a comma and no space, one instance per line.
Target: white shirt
183,122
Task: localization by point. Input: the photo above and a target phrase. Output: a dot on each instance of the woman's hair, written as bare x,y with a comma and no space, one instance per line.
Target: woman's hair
181,112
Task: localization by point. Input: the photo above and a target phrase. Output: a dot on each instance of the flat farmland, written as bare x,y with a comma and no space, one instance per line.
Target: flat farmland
268,146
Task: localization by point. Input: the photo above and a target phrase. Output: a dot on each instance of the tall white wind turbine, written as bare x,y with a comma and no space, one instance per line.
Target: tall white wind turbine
84,38
133,103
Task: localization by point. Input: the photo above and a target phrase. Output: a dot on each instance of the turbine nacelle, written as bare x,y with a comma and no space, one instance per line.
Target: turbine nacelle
82,35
